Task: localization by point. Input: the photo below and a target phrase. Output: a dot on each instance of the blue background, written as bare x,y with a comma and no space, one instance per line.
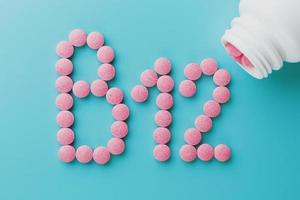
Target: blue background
261,122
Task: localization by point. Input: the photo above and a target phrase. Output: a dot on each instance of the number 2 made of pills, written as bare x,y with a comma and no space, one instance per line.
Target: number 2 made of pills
159,77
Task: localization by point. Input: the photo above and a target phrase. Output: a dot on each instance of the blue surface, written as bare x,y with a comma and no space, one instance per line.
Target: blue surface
261,122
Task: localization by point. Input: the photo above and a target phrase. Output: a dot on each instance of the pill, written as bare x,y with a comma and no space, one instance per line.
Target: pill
162,66
148,78
238,59
192,71
101,155
232,50
65,119
106,72
66,153
64,49
64,84
221,94
221,77
163,118
164,101
162,135
187,88
77,37
246,62
192,136
105,54
95,40
84,154
205,152
64,101
99,88
119,129
139,93
188,153
64,66
203,123
165,83
211,108
114,96
116,146
81,89
209,66
161,152
222,152
65,136
120,112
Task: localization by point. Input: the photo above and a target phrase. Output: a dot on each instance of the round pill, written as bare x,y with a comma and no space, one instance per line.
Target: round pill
165,83
246,62
64,49
101,155
205,152
222,152
232,50
81,89
187,88
64,101
212,108
64,66
162,66
64,84
222,77
99,88
161,152
203,123
148,78
119,129
105,54
164,101
192,136
120,112
84,154
188,153
238,59
65,136
66,153
114,96
221,94
139,93
65,119
163,118
77,37
209,66
162,135
106,72
192,71
95,40
116,146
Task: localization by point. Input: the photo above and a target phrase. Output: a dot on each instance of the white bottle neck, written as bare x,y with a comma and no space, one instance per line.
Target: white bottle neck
257,43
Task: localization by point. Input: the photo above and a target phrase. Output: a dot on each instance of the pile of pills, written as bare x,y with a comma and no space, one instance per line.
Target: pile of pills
81,89
238,56
164,101
211,109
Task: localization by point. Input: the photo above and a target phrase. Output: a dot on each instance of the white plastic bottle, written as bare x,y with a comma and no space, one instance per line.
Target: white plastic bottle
266,34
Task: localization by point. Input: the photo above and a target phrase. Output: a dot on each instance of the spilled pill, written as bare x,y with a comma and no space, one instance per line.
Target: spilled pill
162,66
188,153
148,78
81,89
139,93
95,40
161,152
